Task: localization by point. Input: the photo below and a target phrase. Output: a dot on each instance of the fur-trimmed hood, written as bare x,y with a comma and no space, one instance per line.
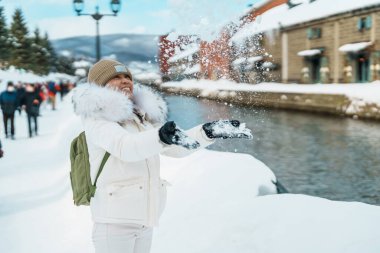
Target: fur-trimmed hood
93,101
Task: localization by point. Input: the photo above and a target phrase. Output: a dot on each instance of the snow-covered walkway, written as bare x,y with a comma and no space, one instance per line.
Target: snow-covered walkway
212,203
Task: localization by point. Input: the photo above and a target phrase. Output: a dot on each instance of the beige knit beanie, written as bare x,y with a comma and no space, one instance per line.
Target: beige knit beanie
104,70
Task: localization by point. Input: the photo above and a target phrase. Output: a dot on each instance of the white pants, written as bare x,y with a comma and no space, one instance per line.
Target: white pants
121,238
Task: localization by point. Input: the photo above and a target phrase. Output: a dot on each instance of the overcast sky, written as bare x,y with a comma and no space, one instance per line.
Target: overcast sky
58,18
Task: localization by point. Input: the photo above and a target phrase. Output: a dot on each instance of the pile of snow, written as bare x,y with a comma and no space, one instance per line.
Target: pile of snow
16,75
365,92
282,16
231,221
60,77
81,72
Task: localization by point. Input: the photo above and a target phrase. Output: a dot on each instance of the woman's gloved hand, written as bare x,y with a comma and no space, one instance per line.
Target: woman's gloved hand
171,134
227,129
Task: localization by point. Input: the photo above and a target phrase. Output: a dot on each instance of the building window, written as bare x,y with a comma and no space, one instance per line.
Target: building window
314,33
364,23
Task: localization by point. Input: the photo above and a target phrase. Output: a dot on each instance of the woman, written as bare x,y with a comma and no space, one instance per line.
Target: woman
126,121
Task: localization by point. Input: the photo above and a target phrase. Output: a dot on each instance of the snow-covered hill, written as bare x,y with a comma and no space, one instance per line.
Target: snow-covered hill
126,47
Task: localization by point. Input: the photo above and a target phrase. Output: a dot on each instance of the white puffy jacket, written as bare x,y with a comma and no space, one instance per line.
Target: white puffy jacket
129,189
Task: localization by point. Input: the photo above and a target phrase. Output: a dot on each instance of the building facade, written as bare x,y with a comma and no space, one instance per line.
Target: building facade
339,49
333,45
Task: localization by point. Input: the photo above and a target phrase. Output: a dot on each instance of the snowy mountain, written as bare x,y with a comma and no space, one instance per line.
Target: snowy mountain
126,47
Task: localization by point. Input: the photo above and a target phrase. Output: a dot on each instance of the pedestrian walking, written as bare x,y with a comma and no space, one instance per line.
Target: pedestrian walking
9,104
52,90
20,90
31,101
128,121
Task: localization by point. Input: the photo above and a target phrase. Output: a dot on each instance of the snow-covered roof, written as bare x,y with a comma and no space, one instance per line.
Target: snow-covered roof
261,4
190,50
254,59
354,47
268,64
239,61
194,69
309,52
251,59
282,16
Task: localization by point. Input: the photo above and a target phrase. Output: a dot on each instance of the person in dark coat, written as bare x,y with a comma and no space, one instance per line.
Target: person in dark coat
31,101
1,150
20,89
9,104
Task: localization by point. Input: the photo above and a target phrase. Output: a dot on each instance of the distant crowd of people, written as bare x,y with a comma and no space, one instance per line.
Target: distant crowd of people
28,97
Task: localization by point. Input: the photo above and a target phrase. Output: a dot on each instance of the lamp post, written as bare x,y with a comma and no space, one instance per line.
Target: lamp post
115,7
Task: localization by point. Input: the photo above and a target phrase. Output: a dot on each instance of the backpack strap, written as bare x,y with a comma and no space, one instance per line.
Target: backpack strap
105,158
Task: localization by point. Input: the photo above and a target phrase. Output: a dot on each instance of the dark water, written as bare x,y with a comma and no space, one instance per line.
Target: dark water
331,157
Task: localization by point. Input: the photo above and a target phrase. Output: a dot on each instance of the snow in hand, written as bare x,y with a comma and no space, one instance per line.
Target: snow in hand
228,129
181,138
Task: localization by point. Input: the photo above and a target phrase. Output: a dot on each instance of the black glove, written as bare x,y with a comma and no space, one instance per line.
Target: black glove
1,153
226,129
170,134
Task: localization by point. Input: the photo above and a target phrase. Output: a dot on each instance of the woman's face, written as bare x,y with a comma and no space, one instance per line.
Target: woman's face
121,83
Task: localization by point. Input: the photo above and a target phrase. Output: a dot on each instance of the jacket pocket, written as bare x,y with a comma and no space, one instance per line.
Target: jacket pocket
127,200
163,195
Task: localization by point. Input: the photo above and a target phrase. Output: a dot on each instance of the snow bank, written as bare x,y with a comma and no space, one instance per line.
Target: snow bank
367,92
213,203
15,75
270,224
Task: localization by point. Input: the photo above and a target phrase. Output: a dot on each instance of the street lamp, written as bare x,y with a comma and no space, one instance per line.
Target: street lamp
115,7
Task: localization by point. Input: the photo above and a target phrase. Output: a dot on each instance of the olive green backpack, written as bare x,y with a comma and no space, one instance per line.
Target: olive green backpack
83,189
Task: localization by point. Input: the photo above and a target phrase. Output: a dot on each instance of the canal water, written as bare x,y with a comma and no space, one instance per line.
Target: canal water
326,156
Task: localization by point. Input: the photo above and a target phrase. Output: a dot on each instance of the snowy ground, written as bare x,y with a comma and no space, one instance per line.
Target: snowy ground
212,203
366,92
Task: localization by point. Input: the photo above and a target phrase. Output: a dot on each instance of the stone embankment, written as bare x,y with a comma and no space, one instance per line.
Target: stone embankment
317,103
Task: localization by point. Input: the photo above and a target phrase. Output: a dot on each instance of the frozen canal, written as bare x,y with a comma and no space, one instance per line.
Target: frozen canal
330,157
